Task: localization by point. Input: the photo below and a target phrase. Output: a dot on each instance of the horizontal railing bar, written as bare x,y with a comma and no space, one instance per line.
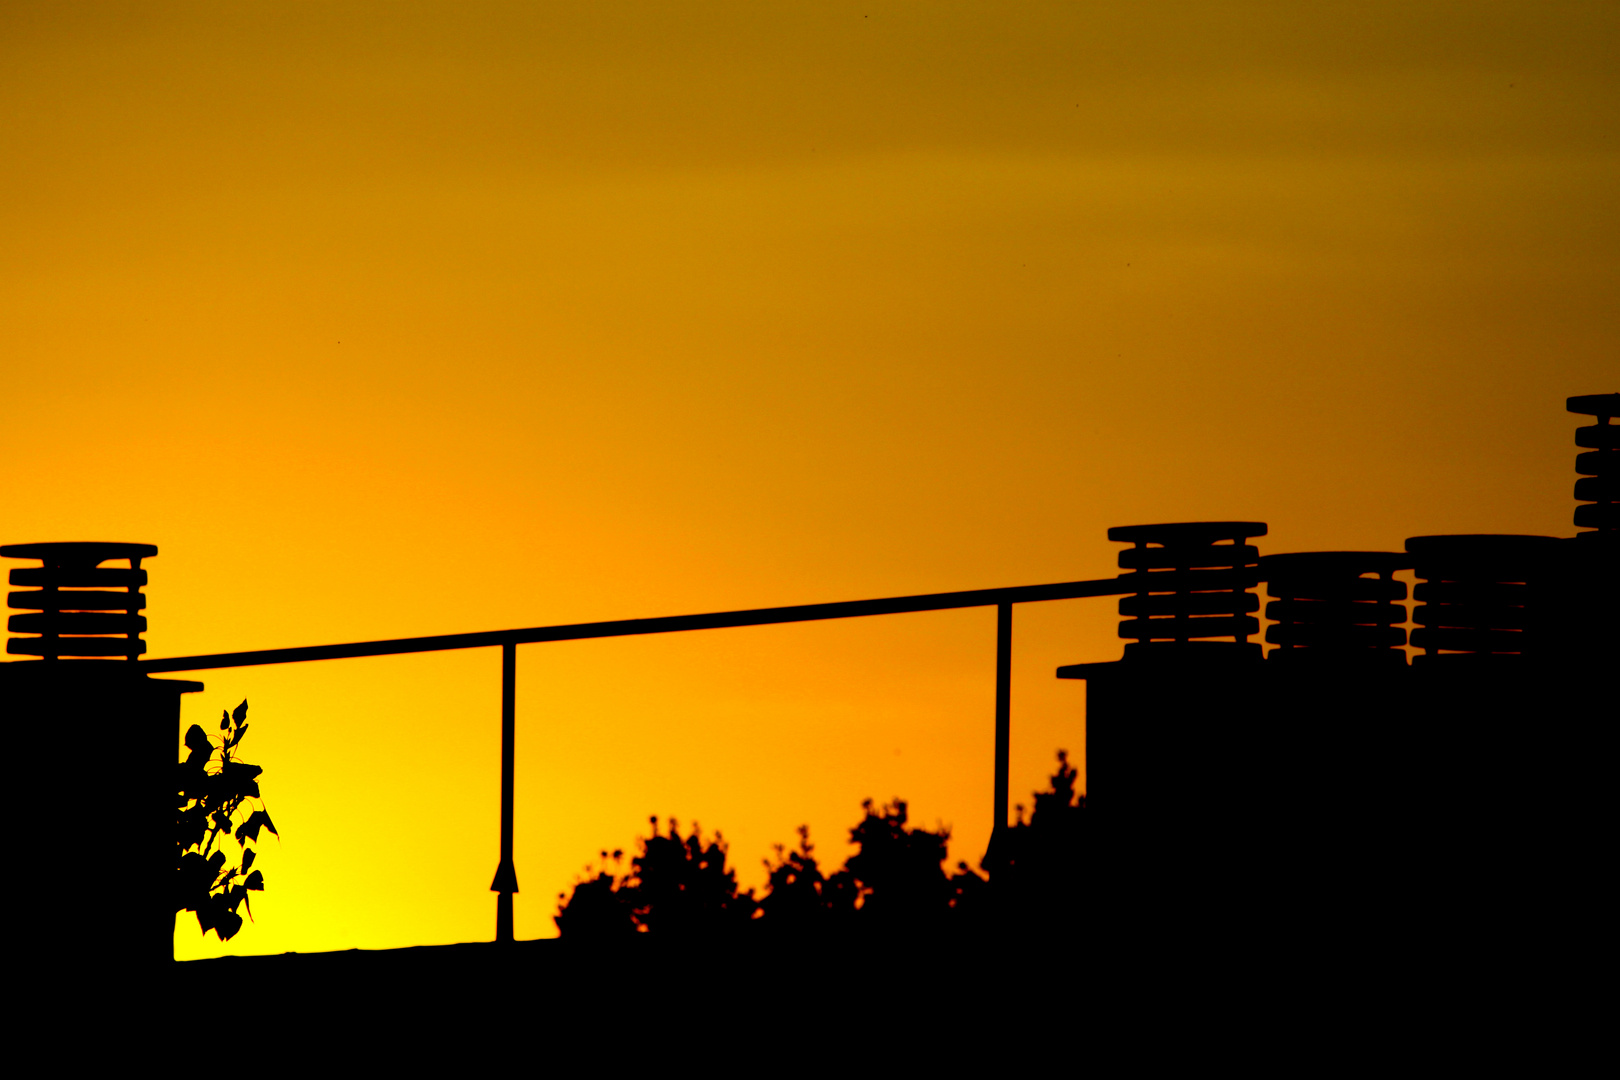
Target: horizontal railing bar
846,609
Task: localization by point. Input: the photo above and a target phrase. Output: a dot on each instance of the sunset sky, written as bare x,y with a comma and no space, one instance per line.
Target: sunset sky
395,319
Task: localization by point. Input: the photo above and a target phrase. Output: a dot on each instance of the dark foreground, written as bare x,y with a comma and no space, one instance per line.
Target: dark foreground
1009,1001
662,1001
627,976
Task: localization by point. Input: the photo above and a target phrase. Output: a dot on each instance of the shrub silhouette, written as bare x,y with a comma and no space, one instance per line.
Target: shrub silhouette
600,909
901,873
800,897
211,794
1038,865
682,887
677,887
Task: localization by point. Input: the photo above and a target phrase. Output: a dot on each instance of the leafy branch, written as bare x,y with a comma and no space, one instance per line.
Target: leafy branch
213,792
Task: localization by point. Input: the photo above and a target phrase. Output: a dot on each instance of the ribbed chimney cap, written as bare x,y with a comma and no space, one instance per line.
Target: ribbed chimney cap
1594,404
1186,532
1335,562
79,552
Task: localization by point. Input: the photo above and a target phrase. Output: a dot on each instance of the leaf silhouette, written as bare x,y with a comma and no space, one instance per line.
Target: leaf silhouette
197,742
226,921
238,779
241,712
250,828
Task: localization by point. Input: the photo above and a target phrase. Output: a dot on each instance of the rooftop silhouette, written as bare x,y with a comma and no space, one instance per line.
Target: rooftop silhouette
1223,771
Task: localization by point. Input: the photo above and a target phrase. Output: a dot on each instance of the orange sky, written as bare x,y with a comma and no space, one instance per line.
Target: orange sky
400,319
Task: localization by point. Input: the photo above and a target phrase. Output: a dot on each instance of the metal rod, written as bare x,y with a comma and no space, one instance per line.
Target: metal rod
505,881
1003,714
848,609
508,743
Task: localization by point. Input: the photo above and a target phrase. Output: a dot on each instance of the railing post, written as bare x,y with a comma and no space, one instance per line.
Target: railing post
1003,716
505,882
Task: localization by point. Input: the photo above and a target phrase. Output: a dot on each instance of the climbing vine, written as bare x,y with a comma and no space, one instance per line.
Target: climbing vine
216,789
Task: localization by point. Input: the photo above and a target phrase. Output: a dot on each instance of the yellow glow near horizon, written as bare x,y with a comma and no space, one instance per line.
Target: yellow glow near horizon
426,318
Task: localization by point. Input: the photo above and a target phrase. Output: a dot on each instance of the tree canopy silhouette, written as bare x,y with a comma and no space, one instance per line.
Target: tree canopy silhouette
213,791
676,887
681,886
801,898
901,872
1039,865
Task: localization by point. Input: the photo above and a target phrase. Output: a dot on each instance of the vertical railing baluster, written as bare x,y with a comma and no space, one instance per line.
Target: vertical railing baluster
505,882
1003,715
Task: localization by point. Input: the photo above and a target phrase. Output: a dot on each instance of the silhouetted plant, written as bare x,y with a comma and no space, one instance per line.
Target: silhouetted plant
599,909
801,898
676,887
681,886
969,892
1059,807
212,791
684,886
1038,867
900,871
896,879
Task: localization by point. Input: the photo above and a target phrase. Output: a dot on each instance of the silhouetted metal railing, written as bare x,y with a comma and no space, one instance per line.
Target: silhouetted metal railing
505,883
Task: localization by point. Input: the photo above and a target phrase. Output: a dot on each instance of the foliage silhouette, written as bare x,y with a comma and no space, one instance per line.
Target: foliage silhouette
800,897
212,792
681,887
676,887
901,873
1038,865
895,881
